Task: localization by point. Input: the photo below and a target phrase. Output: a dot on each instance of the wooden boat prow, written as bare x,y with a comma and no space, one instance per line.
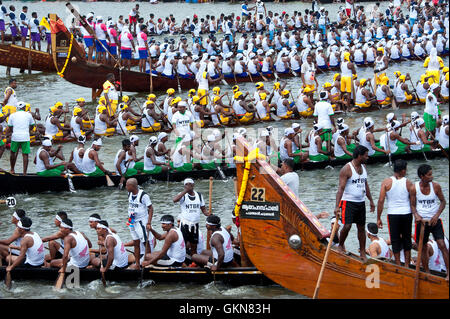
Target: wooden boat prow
270,214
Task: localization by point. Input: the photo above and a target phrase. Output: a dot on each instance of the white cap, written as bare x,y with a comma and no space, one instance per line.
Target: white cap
295,125
445,119
433,86
235,136
99,18
242,131
264,133
98,142
317,127
46,142
161,135
21,105
152,140
390,117
368,122
419,121
182,103
414,115
343,128
188,181
289,131
395,124
134,138
211,138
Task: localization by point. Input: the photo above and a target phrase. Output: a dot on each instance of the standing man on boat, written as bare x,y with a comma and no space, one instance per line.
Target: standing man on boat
424,196
91,163
110,93
395,190
140,214
20,123
191,204
10,100
3,13
350,198
14,239
101,43
14,25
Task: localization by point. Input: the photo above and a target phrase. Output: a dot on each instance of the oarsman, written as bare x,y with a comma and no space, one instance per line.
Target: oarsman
348,70
401,91
308,72
173,252
316,153
200,113
113,40
363,97
14,239
101,43
116,255
394,142
44,161
434,64
265,146
126,47
381,63
110,93
191,204
76,157
426,209
77,125
366,138
289,176
283,106
341,143
76,247
288,149
31,247
154,164
181,122
436,259
395,190
135,162
383,92
104,125
150,119
350,198
378,248
325,118
140,214
225,112
418,134
123,117
161,151
20,123
221,254
142,47
56,249
305,102
431,111
182,155
443,134
92,166
10,100
87,37
53,126
121,165
244,111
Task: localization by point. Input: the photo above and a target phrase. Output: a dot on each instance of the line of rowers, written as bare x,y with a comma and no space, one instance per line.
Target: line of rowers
327,140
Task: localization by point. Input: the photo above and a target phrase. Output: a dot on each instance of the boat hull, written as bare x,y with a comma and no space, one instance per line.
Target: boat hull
16,56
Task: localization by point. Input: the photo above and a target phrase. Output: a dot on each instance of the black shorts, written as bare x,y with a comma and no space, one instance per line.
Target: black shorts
223,265
167,262
437,231
190,234
105,261
25,265
353,212
399,227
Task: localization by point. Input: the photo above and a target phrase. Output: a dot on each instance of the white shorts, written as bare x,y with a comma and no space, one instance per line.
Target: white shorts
138,231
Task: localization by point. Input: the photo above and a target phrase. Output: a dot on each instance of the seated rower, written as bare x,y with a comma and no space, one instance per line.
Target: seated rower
56,249
224,112
76,157
76,248
104,124
378,248
422,87
445,87
244,112
383,92
305,104
200,113
44,161
154,164
91,163
287,149
283,106
393,141
76,123
316,153
134,161
181,157
402,94
367,139
14,239
364,97
121,164
53,126
341,143
150,119
443,133
263,108
417,134
31,248
124,115
221,254
173,252
116,255
211,155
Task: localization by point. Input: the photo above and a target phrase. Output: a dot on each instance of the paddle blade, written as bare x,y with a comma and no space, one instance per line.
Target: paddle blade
109,182
60,281
103,280
8,280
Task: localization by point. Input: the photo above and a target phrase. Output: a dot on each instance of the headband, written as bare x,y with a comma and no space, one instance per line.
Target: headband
166,222
19,224
212,224
16,216
93,219
64,225
369,232
58,218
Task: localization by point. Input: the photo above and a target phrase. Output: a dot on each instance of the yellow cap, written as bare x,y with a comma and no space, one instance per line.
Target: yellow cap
307,89
445,69
347,56
397,73
326,85
170,91
237,94
191,92
384,80
77,110
125,98
151,96
336,76
123,106
285,92
259,85
148,102
101,109
80,99
446,76
362,82
175,100
58,104
276,85
354,76
195,99
262,95
402,78
53,109
27,107
216,90
380,49
235,88
215,98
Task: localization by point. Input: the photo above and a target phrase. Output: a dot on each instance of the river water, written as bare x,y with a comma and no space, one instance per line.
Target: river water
317,188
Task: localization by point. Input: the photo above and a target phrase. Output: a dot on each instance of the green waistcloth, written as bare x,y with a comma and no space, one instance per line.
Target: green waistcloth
297,158
1,142
139,166
187,167
400,148
25,146
51,172
344,157
96,173
130,172
318,158
156,170
326,135
425,148
430,122
208,166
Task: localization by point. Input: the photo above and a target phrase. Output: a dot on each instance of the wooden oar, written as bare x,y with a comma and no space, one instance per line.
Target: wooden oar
325,259
147,243
8,278
419,257
208,236
101,265
60,280
29,56
109,181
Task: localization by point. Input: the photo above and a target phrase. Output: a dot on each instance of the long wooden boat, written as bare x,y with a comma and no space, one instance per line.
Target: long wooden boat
16,56
237,276
32,184
277,226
